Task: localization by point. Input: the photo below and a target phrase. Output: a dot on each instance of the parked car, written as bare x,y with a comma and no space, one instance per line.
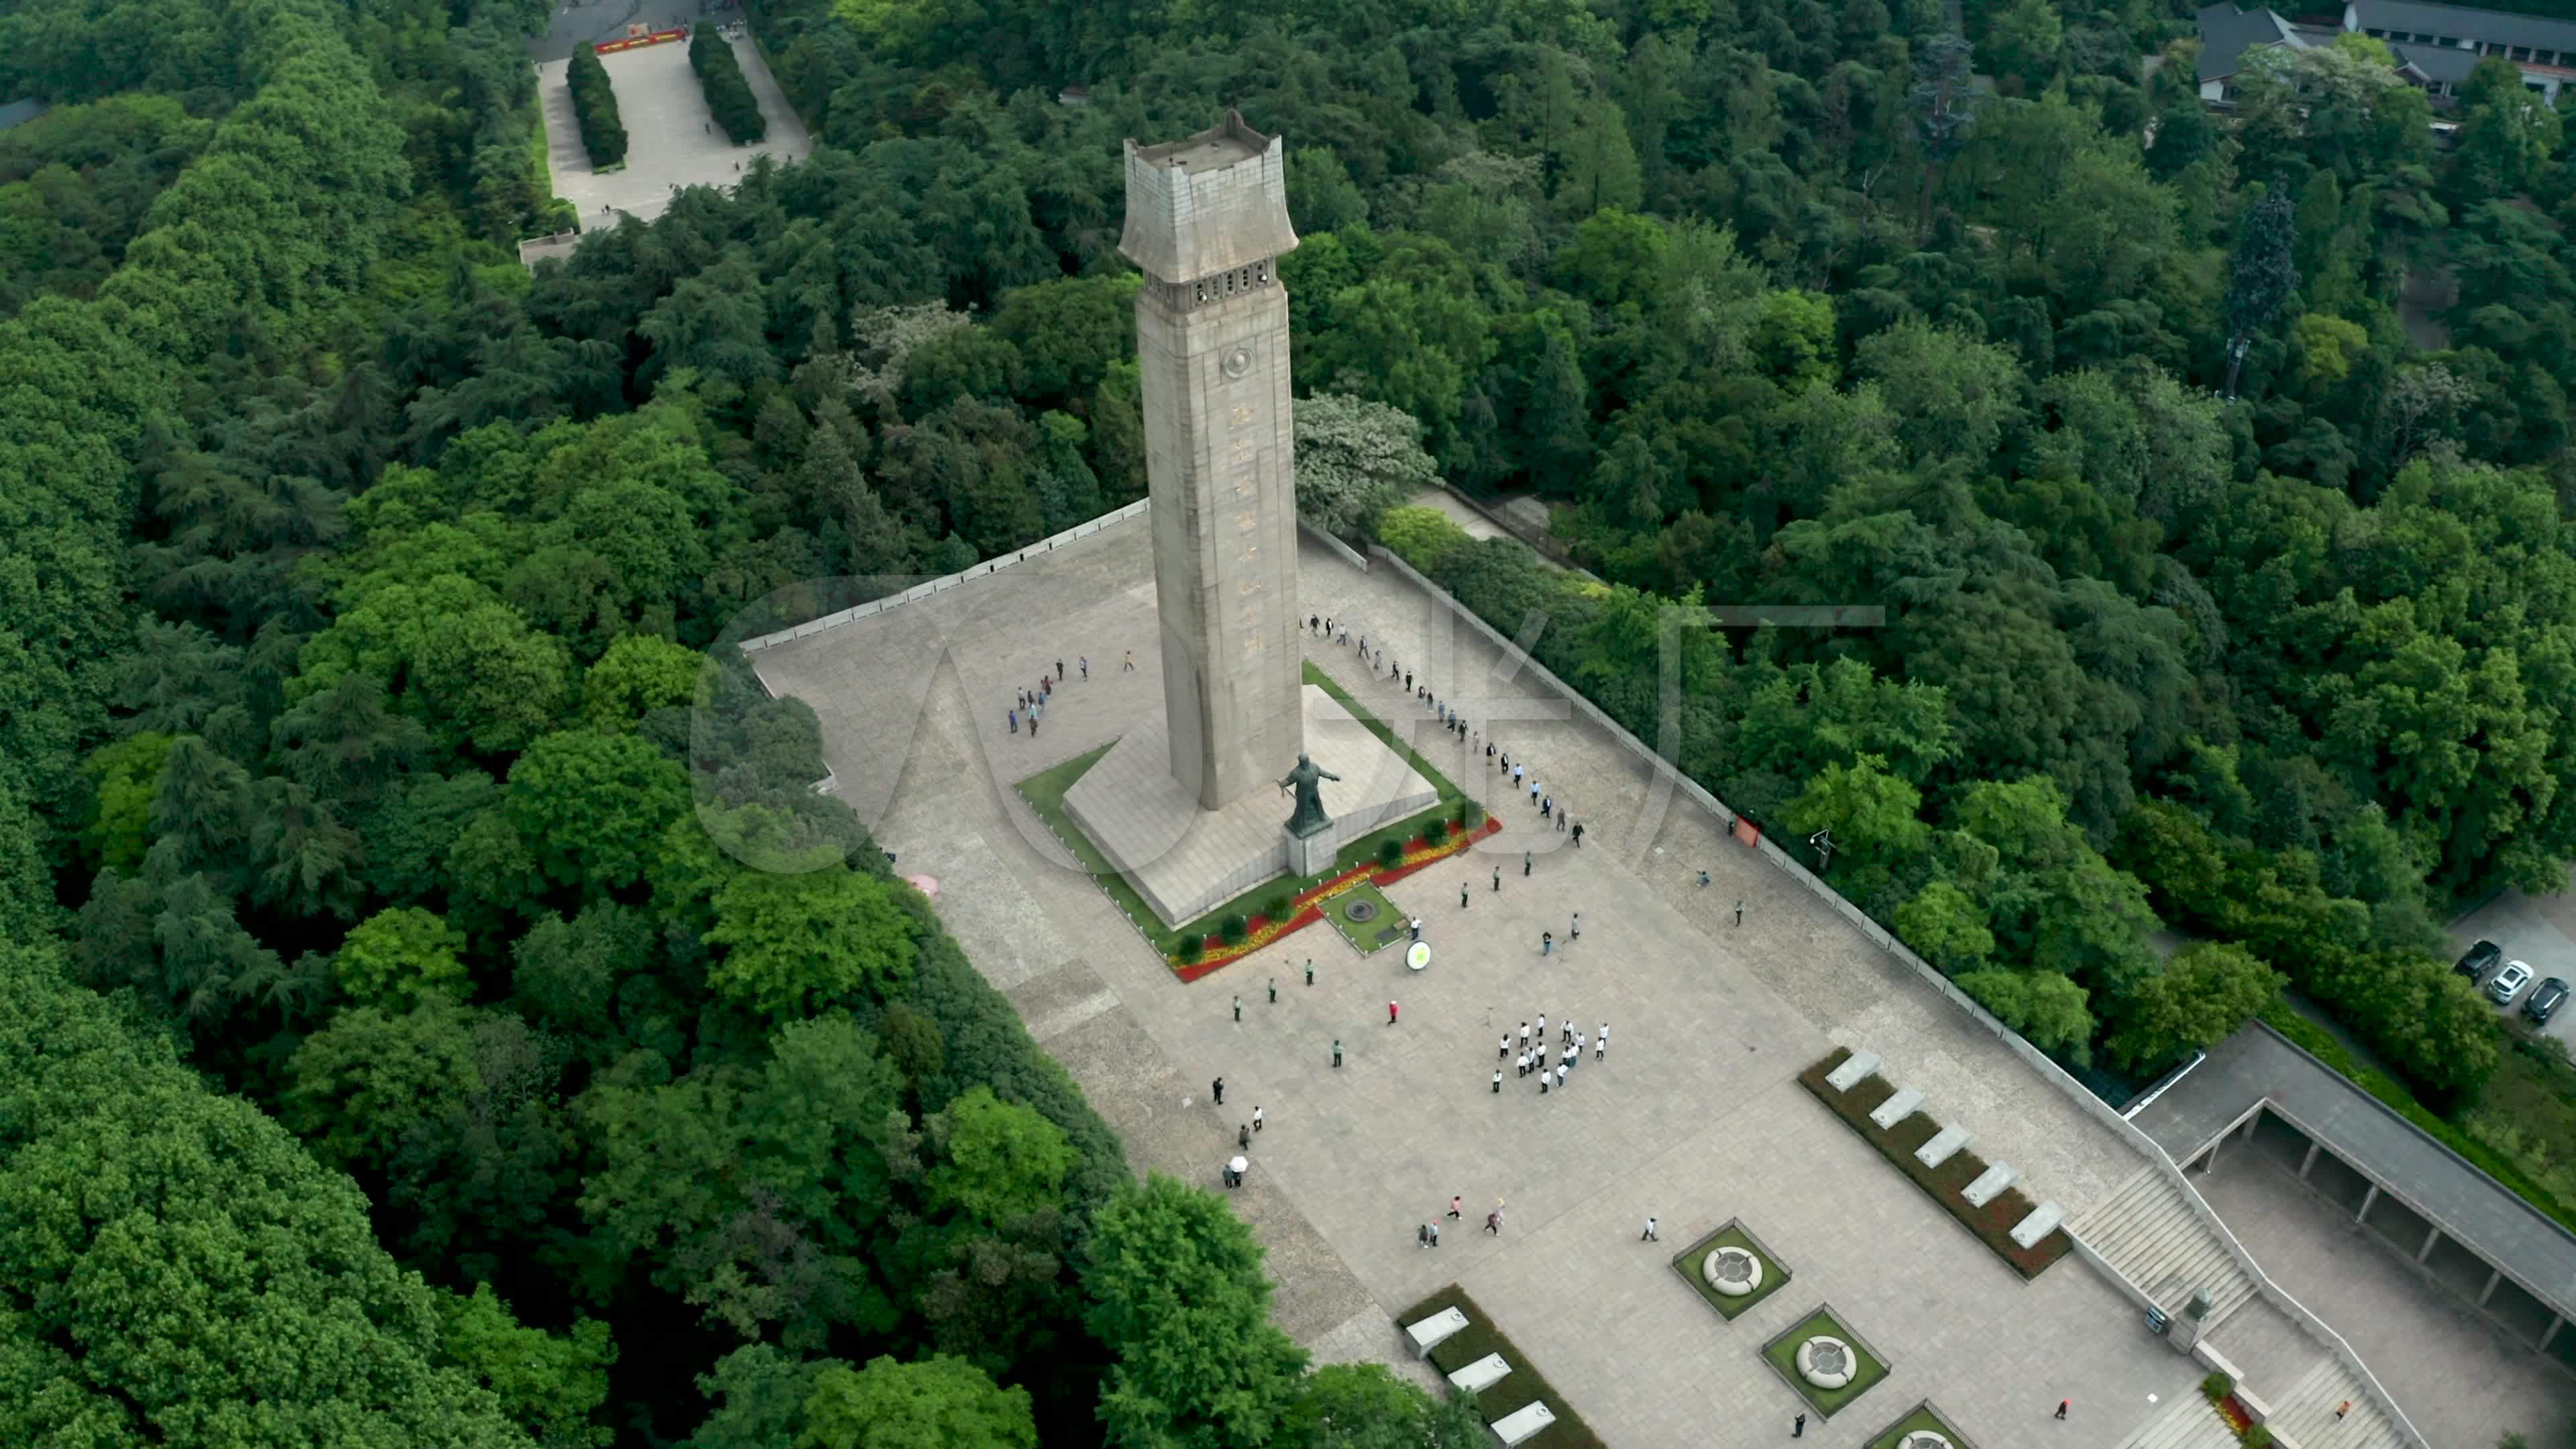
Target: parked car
2482,958
2545,1001
2511,979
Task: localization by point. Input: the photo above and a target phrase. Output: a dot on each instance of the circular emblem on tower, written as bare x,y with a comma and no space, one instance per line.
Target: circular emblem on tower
1238,362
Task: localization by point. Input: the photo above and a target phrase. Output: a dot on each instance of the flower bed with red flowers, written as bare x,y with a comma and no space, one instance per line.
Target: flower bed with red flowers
1308,905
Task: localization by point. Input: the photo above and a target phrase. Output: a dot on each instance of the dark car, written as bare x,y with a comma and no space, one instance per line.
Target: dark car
2544,1001
2482,958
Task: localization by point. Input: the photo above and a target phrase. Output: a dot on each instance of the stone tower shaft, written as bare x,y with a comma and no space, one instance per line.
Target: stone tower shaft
1207,220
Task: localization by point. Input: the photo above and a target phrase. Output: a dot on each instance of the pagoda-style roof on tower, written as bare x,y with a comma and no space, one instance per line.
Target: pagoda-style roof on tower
1207,204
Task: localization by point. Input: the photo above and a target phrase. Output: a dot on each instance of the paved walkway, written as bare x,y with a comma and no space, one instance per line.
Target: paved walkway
2455,1374
1693,1117
671,137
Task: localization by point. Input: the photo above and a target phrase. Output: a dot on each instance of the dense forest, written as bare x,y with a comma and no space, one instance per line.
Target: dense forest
412,1035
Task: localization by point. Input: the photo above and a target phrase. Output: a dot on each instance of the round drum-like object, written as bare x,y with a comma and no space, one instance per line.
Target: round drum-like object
1732,1271
1826,1362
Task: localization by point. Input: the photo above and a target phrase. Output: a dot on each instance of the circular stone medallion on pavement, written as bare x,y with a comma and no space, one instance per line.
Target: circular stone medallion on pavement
1825,1362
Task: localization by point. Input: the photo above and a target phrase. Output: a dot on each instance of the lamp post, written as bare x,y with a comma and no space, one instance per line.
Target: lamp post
1822,843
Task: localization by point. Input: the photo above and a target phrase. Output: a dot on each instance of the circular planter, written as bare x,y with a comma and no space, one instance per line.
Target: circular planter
1828,1363
1358,911
1732,1271
1924,1439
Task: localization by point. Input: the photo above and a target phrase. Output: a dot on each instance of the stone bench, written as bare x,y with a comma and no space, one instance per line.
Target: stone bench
1849,1074
2041,1221
1481,1375
1522,1422
1430,1331
1943,1145
1897,1108
1990,1182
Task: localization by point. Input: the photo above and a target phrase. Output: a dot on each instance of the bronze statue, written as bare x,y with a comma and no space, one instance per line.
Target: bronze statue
1306,778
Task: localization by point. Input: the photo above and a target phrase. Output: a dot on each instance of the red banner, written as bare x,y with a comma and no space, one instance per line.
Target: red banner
629,43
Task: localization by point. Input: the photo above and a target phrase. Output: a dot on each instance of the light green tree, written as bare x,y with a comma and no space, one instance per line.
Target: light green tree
937,1403
1175,1283
398,958
797,943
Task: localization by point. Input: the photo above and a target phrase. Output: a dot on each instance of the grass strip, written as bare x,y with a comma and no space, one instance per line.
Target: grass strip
1993,1223
1514,1390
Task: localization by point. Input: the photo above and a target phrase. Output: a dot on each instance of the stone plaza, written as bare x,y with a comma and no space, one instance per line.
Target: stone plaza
672,138
1693,1117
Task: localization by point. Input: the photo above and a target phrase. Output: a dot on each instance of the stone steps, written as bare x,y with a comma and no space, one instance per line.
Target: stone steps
2151,1234
2192,1423
2305,1415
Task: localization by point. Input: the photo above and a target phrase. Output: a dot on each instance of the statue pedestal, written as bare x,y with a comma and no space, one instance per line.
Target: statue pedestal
1186,861
1310,855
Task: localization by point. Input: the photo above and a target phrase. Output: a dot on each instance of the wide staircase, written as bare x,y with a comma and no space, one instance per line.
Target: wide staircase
2305,1415
2192,1423
2151,1234
2149,1231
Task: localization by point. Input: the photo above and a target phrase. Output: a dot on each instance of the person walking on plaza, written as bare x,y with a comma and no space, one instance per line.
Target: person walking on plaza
1310,970
1274,991
1390,1013
1525,864
1013,716
1084,661
1560,1076
1462,895
1129,667
1649,1235
1417,928
1498,880
1505,1049
2061,1408
1542,1031
1575,932
1337,1054
1238,1008
1798,1427
1216,1089
1494,1222
1422,1235
1601,1043
1525,1036
1739,913
1435,1234
1059,670
1520,1065
1578,836
1256,1119
1242,1135
1498,1081
1453,1204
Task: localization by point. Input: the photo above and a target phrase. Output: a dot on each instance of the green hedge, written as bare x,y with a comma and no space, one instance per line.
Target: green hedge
594,109
728,94
1507,1394
1993,1223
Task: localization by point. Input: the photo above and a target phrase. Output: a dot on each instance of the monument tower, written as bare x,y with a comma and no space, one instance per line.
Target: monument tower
1207,221
1187,804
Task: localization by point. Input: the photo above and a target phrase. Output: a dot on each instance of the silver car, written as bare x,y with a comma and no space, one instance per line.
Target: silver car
2515,976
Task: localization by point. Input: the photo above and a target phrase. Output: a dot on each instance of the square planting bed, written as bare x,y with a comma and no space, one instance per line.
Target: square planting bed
1367,936
1846,1358
1910,1431
1746,1272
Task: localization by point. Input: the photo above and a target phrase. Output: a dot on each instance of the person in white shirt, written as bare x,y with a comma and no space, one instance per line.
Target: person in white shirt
1601,1043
